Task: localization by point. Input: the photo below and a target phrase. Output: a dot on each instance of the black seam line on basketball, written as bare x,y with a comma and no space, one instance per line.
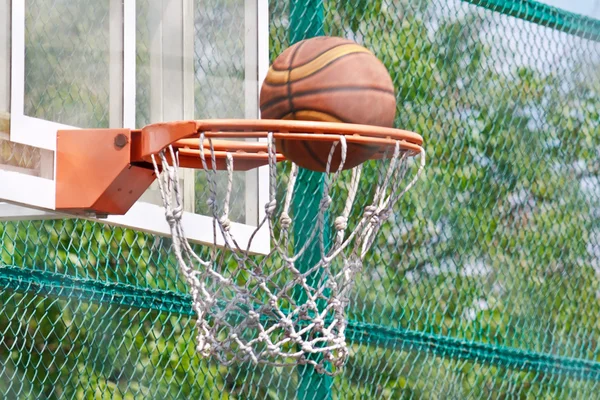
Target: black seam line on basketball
372,147
314,156
289,83
311,109
342,120
276,100
317,71
318,55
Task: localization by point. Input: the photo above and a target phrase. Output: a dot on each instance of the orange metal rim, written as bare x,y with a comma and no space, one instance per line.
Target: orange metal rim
219,134
223,146
243,127
242,161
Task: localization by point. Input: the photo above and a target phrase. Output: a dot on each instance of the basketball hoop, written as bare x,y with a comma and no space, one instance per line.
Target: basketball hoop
266,310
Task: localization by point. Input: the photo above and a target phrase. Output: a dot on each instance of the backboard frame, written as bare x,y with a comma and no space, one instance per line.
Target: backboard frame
33,197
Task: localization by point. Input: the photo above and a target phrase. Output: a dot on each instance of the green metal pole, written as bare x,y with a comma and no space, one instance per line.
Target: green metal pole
306,21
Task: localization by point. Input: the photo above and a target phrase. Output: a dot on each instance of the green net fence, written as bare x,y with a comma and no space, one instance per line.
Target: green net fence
485,283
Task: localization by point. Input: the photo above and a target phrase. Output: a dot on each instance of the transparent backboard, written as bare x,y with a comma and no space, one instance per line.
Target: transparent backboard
126,63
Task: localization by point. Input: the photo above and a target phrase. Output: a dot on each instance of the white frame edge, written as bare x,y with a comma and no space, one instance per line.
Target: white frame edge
129,63
262,24
25,129
150,218
28,190
15,212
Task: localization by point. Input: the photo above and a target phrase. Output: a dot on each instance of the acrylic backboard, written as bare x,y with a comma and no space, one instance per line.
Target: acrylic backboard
126,63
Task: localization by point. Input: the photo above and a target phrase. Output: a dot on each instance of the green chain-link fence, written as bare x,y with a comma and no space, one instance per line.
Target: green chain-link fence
485,283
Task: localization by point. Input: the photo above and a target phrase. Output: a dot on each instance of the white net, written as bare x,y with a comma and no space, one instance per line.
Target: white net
276,309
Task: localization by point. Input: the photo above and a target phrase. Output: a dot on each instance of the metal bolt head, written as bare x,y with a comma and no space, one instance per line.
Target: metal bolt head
121,140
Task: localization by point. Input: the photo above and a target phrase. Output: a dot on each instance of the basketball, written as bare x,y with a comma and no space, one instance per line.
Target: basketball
328,79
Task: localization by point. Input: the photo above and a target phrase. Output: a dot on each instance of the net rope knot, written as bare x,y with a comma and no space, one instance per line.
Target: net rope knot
370,211
225,223
272,309
270,207
341,223
325,202
285,221
175,215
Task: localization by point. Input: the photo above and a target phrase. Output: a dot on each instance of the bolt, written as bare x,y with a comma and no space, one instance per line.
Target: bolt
121,140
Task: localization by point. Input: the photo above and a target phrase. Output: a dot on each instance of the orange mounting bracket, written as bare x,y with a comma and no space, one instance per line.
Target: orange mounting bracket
105,171
95,174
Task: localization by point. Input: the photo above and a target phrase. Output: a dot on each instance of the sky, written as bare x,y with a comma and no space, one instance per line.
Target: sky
591,8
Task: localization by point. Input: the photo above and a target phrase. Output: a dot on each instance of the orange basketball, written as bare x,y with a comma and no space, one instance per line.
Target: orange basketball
328,79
